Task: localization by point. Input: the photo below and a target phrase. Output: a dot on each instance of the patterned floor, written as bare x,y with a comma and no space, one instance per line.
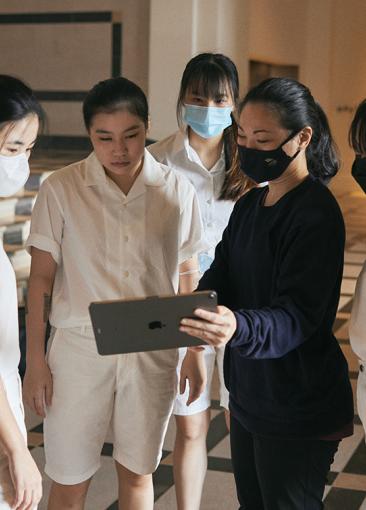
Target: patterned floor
346,487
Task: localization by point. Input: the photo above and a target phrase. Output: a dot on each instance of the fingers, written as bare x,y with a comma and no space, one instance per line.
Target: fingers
18,498
49,393
182,384
194,392
38,404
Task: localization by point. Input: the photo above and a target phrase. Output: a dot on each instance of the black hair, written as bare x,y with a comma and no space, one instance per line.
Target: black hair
211,75
357,131
17,101
115,94
296,108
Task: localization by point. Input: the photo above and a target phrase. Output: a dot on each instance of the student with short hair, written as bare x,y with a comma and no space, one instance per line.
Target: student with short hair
204,150
115,225
20,480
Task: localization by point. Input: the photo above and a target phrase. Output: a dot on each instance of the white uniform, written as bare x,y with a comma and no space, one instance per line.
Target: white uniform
9,361
357,336
176,152
107,246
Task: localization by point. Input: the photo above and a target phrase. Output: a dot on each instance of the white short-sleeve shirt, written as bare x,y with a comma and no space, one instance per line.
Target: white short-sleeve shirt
175,152
9,331
108,245
357,324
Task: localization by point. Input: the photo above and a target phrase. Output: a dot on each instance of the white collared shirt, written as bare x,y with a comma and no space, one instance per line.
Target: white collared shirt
108,245
176,153
9,331
357,324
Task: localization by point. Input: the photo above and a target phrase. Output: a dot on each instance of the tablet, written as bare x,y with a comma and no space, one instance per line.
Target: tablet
148,324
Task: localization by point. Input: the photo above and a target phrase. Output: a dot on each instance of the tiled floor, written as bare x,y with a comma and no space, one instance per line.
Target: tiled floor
346,489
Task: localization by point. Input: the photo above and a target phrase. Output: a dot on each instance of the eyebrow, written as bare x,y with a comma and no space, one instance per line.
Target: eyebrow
104,131
256,131
18,142
217,96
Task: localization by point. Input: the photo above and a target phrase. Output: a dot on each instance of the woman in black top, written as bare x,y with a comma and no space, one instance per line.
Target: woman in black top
277,272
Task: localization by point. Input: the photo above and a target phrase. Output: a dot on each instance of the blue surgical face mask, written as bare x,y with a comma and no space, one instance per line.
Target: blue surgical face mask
207,121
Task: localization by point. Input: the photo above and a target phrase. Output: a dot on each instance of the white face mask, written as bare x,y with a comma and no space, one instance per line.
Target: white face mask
14,172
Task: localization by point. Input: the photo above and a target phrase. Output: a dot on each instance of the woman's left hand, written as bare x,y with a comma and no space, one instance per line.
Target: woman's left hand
214,328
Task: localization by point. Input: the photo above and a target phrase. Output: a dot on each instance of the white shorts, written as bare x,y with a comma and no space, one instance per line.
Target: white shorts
13,390
361,394
212,356
132,392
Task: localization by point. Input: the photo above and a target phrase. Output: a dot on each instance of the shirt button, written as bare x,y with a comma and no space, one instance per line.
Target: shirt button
209,225
209,201
126,273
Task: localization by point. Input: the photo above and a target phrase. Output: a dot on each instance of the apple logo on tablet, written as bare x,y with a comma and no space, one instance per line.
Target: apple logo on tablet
156,325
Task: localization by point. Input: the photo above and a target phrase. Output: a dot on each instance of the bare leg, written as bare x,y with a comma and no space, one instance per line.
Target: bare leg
227,418
68,497
135,492
190,459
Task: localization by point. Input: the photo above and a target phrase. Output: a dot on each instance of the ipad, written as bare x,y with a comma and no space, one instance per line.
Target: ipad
148,324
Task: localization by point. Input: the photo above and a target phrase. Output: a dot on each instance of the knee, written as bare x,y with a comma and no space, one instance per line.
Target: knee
192,428
68,496
133,480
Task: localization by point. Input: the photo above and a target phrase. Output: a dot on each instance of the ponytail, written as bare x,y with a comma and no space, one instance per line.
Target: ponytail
322,153
296,108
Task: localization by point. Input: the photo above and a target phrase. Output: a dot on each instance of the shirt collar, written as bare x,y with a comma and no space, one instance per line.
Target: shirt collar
191,154
151,174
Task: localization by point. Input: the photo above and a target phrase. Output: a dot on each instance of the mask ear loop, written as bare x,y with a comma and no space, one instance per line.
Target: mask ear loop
292,135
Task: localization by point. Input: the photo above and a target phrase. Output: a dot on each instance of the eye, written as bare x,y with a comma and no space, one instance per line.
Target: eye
134,135
105,139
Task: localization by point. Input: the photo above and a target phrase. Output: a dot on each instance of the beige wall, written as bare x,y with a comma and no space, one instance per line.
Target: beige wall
178,31
73,56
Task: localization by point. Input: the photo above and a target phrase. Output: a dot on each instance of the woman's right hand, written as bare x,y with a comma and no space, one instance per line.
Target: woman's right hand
38,387
26,478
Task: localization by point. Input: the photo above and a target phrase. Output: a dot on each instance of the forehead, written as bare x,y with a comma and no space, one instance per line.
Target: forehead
209,88
259,116
117,121
23,131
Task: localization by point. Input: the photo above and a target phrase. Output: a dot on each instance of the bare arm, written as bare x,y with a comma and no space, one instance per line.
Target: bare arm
193,367
25,476
38,379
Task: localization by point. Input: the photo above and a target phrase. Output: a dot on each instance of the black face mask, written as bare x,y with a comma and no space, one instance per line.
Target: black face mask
359,172
261,165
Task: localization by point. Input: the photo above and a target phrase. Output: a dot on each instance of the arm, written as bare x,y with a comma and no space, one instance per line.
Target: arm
193,367
310,272
38,379
24,473
357,325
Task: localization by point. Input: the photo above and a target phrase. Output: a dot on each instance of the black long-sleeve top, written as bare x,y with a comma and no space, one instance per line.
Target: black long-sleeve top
279,268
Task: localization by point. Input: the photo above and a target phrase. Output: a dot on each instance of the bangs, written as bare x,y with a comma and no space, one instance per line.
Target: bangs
208,81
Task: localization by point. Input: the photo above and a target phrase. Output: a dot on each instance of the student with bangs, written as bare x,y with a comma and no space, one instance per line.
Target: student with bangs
204,150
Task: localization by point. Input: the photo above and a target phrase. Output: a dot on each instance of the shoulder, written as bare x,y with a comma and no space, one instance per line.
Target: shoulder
317,203
167,147
70,173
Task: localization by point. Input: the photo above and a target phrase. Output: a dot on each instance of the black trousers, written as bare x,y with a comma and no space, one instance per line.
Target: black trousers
279,474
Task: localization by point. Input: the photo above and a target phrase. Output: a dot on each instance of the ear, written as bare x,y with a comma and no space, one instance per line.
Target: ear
148,124
305,136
